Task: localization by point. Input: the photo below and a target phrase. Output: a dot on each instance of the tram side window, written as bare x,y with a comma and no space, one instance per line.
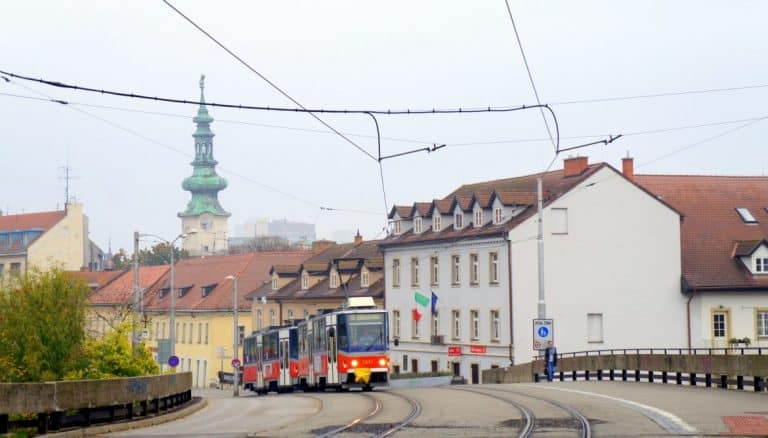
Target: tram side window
343,338
293,337
270,346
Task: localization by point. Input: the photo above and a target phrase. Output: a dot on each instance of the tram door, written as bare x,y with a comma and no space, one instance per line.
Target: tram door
285,369
259,371
333,369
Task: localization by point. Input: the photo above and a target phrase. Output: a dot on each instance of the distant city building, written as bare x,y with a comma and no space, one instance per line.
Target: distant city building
46,239
300,233
204,213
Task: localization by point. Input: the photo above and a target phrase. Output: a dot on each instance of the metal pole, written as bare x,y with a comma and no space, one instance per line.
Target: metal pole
136,292
540,238
173,305
236,342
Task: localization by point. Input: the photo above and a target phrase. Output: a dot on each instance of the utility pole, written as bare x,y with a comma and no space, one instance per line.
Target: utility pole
137,301
540,239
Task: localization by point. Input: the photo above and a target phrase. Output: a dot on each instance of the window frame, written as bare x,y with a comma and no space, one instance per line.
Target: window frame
458,220
415,329
434,270
436,225
474,269
493,267
396,323
456,324
417,225
474,324
396,272
455,270
478,218
761,313
414,272
495,316
498,215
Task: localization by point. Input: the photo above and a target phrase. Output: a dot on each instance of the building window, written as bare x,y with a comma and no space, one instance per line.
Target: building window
241,335
497,216
364,278
334,279
274,284
414,271
493,263
395,323
200,333
746,215
191,332
304,281
474,317
208,289
414,327
436,222
258,319
206,333
762,323
595,327
176,334
473,269
457,220
455,269
417,225
435,323
272,317
434,271
15,268
398,227
164,330
396,273
290,314
559,220
456,323
718,324
306,313
478,218
184,333
761,264
495,326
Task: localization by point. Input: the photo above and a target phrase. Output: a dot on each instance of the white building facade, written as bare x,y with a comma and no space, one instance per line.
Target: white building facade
612,271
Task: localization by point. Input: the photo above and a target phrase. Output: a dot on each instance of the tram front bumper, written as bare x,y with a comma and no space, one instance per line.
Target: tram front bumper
359,377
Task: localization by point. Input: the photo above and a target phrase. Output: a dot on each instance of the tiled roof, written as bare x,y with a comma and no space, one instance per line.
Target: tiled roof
120,290
483,198
422,207
745,248
711,228
515,190
97,279
29,221
251,270
286,270
405,211
443,206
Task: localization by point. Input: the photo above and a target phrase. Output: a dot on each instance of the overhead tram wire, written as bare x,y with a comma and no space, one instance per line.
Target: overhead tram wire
556,146
265,79
181,152
655,95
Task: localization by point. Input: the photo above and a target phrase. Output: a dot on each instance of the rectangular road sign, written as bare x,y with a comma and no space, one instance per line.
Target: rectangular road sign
543,333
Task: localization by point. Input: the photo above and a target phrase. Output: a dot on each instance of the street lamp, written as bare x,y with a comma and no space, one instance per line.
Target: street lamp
236,340
173,279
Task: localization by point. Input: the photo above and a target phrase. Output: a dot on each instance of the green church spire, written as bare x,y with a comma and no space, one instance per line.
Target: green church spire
204,184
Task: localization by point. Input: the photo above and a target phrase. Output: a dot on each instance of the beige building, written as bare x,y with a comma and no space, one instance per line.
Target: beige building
46,239
321,282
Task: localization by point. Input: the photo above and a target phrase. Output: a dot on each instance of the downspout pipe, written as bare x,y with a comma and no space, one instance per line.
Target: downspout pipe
688,316
509,284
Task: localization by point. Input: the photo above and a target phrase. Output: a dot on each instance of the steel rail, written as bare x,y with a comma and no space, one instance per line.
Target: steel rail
415,412
530,419
376,409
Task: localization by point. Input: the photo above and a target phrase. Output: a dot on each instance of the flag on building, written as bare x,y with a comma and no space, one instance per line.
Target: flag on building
421,299
416,315
434,303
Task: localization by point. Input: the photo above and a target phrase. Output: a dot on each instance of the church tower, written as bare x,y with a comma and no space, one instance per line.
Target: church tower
204,213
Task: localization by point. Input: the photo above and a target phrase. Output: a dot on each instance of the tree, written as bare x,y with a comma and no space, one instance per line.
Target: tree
263,243
42,316
121,260
113,356
160,255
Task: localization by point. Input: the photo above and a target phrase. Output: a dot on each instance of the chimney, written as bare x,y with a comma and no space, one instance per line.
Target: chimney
321,245
358,238
574,166
628,167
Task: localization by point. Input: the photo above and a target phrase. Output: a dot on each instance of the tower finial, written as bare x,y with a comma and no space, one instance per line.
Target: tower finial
202,87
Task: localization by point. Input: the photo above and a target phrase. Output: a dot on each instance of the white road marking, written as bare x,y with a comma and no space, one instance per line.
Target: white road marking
667,420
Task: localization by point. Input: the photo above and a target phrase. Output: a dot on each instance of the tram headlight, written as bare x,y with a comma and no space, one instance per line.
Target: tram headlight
383,362
354,363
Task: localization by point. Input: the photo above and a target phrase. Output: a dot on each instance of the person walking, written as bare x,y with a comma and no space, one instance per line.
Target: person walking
550,358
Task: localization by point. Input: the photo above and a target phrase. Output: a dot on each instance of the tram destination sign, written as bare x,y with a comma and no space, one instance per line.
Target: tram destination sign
543,333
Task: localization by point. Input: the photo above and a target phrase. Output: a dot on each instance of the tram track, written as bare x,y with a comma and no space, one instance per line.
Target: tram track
585,429
526,430
415,412
377,405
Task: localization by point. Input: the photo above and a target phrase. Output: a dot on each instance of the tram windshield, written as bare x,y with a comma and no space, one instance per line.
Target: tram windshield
359,332
270,346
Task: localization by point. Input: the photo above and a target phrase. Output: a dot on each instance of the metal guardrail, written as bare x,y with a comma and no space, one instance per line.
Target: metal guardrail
79,403
665,351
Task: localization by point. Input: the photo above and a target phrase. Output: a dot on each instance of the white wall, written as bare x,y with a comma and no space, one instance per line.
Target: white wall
741,308
620,258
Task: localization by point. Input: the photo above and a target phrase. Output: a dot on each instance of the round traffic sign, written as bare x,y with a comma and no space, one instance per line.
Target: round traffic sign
543,332
173,361
235,363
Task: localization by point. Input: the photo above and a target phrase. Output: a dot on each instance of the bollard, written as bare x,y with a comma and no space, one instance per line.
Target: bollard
724,382
692,380
678,378
664,377
611,375
708,380
739,382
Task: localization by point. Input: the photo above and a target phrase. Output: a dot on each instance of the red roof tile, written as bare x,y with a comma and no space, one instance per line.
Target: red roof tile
120,290
44,220
711,226
97,279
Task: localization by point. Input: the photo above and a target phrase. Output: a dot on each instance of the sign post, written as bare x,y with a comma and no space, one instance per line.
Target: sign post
543,334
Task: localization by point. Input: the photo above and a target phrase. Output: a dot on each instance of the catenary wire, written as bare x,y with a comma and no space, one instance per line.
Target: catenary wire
530,77
272,84
655,95
181,152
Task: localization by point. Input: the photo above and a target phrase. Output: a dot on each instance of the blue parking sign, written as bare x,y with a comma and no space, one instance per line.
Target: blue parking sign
543,334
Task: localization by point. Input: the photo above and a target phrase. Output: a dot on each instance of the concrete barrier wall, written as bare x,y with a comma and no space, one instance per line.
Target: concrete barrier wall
18,398
727,365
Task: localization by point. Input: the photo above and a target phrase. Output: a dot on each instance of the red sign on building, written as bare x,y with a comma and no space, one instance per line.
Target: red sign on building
477,349
454,350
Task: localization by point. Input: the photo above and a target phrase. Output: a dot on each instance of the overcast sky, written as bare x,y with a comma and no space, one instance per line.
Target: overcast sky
362,54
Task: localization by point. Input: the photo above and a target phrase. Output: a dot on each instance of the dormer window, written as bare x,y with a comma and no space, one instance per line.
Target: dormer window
746,215
761,264
398,227
436,223
274,283
304,281
497,216
364,278
183,291
478,218
208,289
457,220
417,225
334,280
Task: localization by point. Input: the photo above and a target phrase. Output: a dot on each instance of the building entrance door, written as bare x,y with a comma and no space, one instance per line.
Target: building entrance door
475,373
456,369
720,329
